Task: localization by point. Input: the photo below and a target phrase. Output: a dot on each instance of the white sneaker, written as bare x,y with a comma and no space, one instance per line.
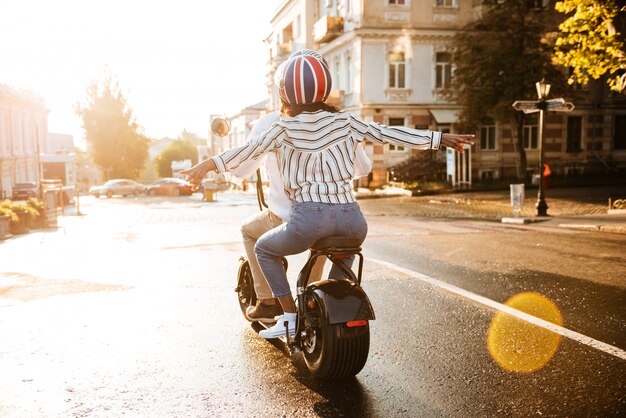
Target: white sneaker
278,330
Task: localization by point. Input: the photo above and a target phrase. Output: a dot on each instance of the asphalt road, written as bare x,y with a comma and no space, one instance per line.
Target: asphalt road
130,310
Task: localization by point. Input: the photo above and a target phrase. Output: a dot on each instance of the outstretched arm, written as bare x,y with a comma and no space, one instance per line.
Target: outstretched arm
196,173
409,137
457,141
234,157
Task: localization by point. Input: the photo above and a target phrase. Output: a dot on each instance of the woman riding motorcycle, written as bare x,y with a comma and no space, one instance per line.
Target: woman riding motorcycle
315,145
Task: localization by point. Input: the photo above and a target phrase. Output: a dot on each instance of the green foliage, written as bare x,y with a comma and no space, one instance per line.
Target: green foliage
5,209
115,142
178,150
35,203
592,41
499,60
22,208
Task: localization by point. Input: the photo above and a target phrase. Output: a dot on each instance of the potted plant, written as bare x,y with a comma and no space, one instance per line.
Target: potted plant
25,214
6,217
40,220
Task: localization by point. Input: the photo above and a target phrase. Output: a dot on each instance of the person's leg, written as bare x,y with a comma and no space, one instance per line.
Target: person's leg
317,270
304,227
254,227
349,221
251,230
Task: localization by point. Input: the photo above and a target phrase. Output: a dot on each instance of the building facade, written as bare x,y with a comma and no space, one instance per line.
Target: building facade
391,64
23,130
58,159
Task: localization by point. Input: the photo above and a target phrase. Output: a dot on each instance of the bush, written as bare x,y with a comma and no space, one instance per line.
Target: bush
30,211
6,210
36,204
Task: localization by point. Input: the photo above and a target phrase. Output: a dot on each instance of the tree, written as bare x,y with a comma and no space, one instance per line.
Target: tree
114,140
498,59
178,150
592,41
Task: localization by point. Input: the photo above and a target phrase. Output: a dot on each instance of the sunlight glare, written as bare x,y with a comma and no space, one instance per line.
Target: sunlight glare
519,346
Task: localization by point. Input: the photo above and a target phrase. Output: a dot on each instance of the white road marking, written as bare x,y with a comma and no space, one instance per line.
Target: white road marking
573,335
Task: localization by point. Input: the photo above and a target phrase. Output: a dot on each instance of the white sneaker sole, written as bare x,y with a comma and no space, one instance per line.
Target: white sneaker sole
276,332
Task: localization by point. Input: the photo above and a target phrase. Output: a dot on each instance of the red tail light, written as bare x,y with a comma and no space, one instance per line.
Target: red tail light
359,323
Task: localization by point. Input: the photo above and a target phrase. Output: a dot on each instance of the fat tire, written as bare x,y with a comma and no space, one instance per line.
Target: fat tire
342,352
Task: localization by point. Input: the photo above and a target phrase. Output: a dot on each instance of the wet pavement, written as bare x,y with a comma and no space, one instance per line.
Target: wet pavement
130,310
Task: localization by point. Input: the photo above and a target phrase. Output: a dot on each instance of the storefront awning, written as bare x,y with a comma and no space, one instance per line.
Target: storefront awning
445,116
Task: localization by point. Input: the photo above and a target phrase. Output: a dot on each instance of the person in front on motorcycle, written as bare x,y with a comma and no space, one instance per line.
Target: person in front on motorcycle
279,208
315,145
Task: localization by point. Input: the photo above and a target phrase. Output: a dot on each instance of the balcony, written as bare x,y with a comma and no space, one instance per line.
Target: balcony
283,50
327,28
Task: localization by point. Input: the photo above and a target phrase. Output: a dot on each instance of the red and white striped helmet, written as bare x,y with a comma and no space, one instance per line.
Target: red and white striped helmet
304,79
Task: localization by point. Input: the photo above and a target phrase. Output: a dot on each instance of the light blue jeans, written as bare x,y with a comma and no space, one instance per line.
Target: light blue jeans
308,223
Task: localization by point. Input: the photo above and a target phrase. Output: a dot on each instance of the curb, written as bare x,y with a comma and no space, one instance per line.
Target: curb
617,229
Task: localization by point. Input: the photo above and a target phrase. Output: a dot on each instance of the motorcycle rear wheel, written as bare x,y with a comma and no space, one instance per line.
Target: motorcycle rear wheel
333,351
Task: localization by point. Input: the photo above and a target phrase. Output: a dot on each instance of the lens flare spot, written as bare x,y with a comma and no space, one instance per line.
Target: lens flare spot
519,346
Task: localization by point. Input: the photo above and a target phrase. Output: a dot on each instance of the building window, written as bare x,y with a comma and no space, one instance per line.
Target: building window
574,133
296,27
348,73
531,134
397,70
488,176
619,138
396,122
337,76
446,3
398,2
488,135
443,70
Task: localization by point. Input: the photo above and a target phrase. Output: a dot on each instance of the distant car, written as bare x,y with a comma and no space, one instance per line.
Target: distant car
22,191
124,187
169,186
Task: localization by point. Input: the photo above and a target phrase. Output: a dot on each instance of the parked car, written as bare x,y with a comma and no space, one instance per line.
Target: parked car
22,191
124,187
169,186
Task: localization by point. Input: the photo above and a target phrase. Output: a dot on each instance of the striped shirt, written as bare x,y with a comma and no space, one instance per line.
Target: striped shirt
316,152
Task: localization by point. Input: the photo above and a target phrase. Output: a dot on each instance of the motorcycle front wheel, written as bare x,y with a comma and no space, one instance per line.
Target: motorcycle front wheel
245,286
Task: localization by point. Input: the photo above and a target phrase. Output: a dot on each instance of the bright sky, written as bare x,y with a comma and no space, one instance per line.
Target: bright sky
176,62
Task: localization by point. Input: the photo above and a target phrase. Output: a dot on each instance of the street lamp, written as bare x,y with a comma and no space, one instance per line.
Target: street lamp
543,89
541,105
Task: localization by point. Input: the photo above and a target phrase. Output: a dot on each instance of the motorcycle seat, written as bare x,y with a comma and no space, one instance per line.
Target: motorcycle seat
342,242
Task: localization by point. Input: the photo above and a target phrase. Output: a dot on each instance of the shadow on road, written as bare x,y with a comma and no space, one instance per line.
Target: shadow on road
341,398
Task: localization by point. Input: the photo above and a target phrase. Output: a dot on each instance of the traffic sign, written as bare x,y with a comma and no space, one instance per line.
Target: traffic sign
554,105
565,107
525,105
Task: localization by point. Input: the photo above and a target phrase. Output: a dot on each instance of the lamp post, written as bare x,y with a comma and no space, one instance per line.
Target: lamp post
543,89
541,105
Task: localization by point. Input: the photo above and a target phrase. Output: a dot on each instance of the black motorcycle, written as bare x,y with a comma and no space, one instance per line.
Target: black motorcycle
333,330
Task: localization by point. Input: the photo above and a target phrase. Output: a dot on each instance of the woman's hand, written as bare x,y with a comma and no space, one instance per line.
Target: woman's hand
457,141
196,173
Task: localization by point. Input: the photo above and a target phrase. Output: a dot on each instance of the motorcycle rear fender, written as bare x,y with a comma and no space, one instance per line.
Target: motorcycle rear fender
341,301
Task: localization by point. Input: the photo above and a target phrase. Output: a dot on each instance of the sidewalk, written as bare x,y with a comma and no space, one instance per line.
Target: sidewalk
584,208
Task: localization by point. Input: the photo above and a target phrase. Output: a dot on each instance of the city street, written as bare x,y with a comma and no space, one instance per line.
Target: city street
129,310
